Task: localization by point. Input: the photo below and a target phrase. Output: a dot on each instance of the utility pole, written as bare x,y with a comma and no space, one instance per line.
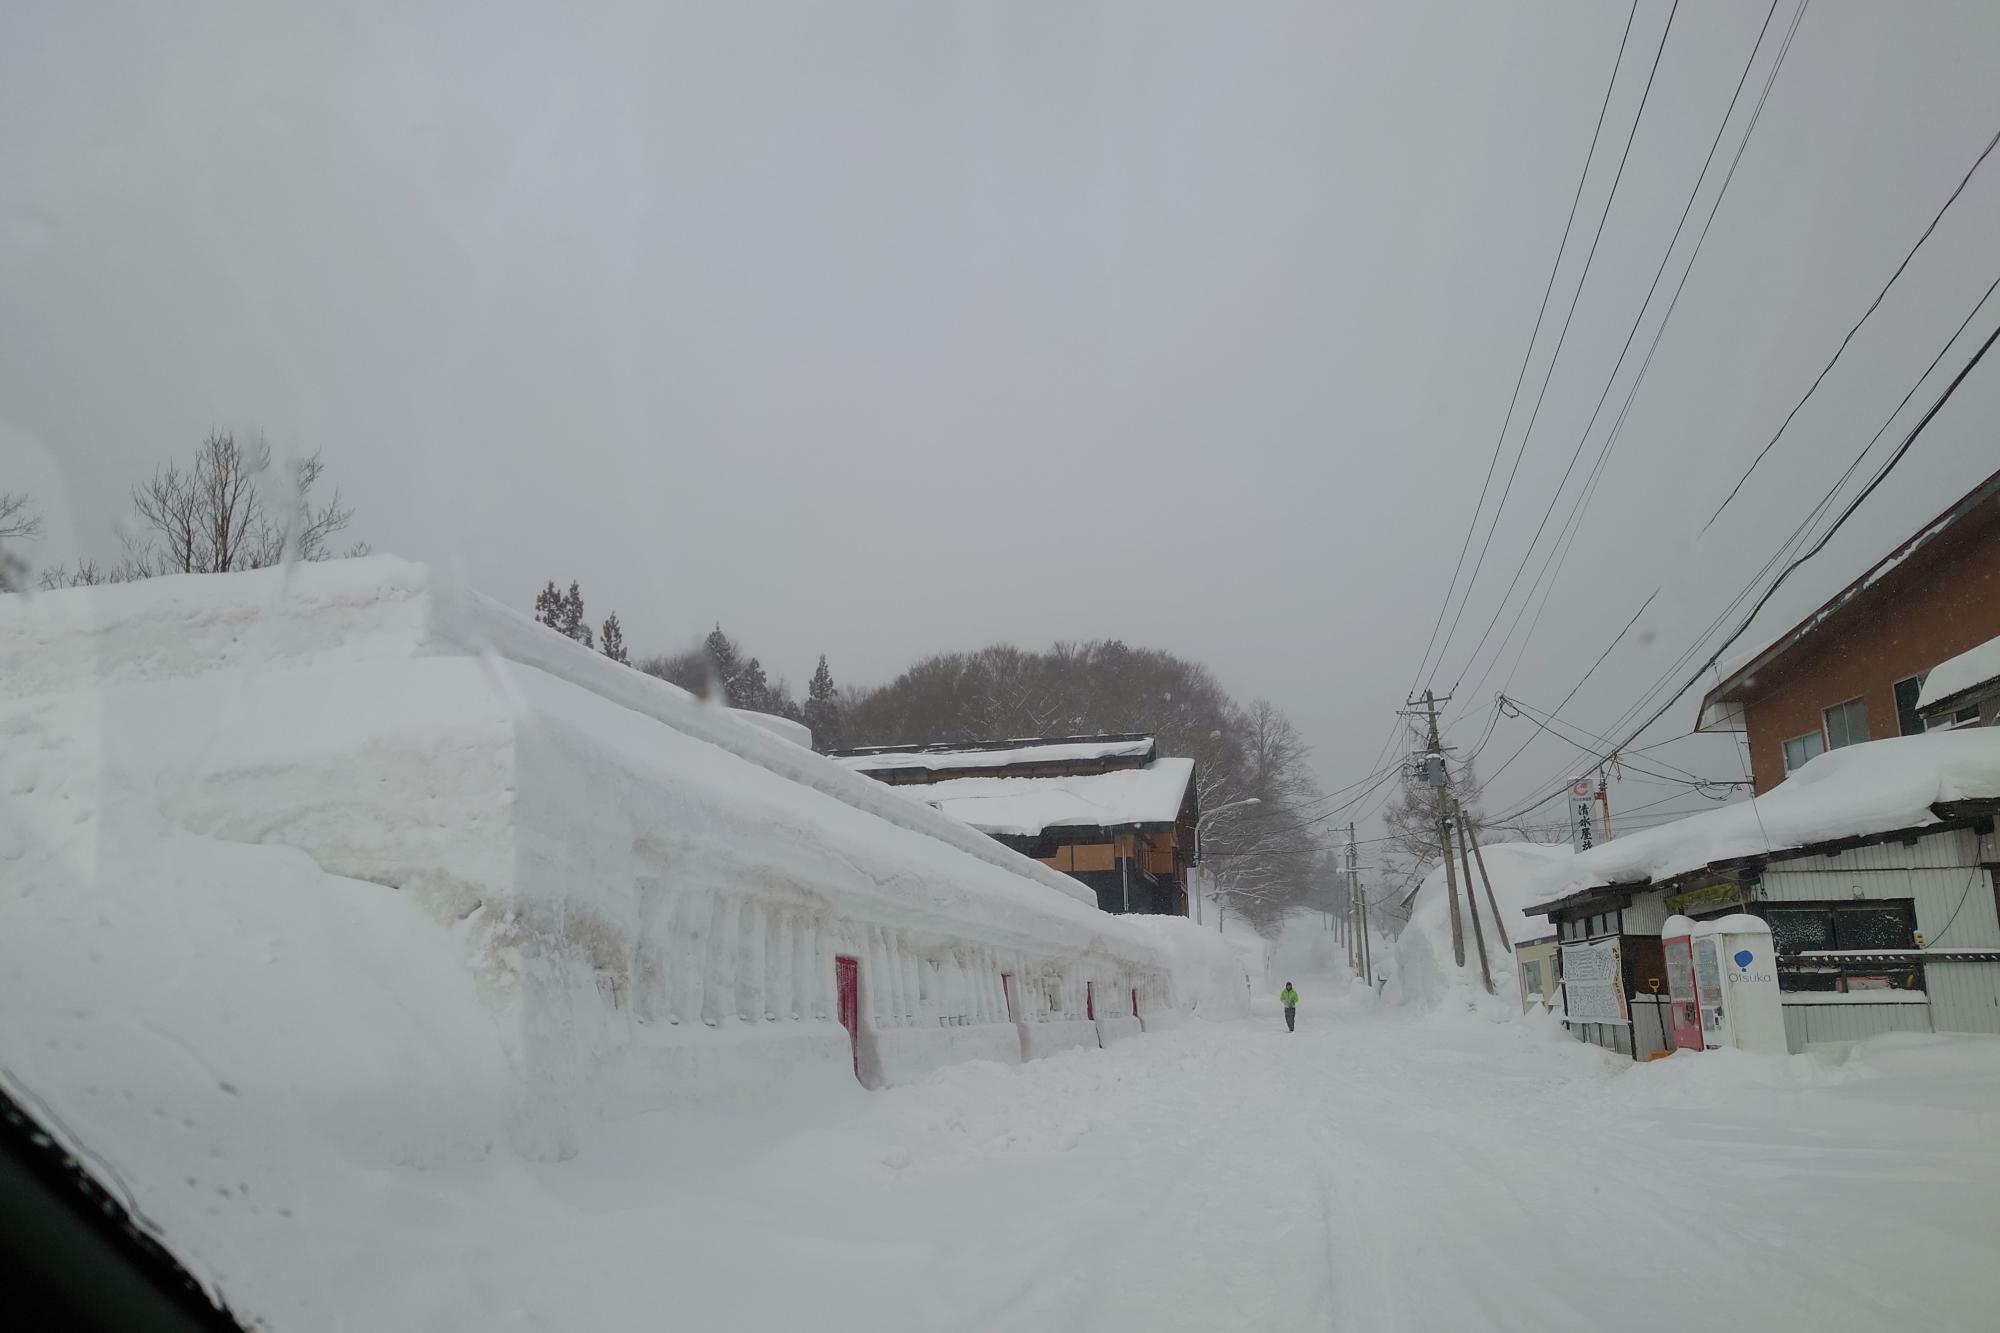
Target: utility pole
1604,800
1360,958
1434,774
1347,879
1471,898
1479,859
1367,945
1451,888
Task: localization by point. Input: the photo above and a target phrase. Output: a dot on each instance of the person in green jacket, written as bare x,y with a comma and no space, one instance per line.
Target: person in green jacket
1290,999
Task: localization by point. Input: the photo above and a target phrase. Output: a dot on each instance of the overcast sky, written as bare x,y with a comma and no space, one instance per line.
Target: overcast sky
880,330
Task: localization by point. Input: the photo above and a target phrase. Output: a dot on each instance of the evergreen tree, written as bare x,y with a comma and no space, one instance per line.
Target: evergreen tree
571,618
549,607
750,689
723,668
614,640
822,712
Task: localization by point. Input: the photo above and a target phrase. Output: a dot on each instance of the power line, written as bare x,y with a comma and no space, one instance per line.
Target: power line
1902,450
1547,723
1694,256
1563,336
1813,516
1527,354
1631,334
1951,199
1799,532
1778,555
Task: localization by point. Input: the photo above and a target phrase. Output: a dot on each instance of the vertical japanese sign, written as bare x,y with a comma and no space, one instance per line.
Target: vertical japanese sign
1582,815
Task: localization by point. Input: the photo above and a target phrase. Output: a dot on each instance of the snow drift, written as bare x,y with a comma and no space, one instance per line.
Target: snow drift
1426,973
341,866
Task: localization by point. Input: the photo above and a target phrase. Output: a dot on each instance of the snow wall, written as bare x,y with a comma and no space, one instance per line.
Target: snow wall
1426,974
433,876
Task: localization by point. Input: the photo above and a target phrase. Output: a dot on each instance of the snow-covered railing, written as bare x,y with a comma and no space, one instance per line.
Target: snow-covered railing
1871,955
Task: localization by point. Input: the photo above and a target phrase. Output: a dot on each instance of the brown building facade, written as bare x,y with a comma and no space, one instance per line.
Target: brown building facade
1853,670
1106,810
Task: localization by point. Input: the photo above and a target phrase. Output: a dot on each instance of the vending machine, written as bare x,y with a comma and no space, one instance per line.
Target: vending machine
1683,1005
1748,962
1722,978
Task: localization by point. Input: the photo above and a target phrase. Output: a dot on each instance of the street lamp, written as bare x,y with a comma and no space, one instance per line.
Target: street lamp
1247,800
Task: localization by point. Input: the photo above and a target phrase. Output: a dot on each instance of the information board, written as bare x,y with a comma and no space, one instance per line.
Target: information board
1594,983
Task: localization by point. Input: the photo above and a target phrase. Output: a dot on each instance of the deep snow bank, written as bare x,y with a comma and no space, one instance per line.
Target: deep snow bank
339,867
1426,974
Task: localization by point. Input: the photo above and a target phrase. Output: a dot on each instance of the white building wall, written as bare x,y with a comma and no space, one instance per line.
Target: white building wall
1956,908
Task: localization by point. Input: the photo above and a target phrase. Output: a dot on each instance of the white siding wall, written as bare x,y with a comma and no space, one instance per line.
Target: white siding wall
1851,1022
1956,909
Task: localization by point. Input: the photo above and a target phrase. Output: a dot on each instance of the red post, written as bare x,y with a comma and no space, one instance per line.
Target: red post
847,983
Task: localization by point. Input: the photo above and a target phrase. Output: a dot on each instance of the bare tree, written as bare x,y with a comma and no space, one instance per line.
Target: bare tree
84,574
20,523
214,518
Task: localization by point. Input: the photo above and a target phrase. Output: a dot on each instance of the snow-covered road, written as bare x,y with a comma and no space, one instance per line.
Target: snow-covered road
1373,1172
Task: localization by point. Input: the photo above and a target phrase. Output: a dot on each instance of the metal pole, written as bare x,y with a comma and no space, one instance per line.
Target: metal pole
1124,875
1472,900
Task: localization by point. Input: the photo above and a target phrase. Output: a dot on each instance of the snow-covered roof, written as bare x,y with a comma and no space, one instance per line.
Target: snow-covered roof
1861,790
1025,807
1962,674
939,759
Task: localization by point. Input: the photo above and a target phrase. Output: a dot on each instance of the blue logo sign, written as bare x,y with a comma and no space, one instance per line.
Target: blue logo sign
1743,958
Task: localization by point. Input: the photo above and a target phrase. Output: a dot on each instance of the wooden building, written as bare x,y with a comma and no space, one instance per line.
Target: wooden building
1854,670
1107,810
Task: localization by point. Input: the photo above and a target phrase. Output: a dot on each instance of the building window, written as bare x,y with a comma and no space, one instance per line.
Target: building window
1531,978
1801,928
1908,721
1967,716
1846,724
1801,748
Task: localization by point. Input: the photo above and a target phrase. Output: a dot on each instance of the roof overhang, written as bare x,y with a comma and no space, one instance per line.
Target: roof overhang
1720,714
1979,815
1609,895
